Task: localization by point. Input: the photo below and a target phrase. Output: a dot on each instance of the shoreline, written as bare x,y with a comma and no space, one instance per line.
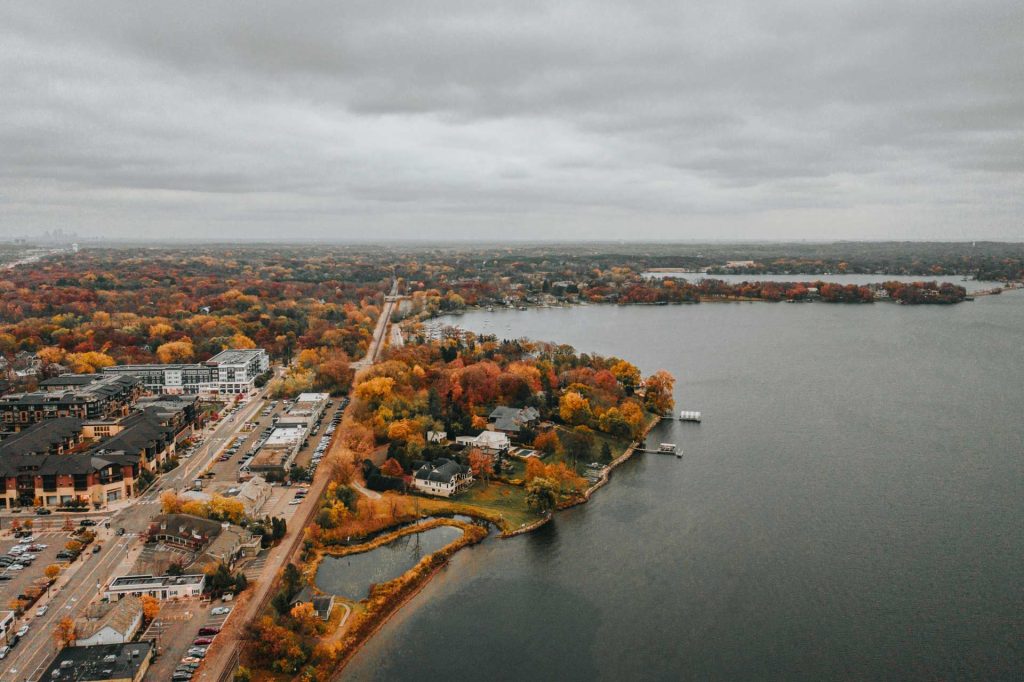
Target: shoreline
425,579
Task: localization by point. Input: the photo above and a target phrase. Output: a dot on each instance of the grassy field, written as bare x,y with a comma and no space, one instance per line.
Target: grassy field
508,501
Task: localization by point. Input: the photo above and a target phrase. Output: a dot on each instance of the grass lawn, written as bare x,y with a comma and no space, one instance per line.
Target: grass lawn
617,447
507,500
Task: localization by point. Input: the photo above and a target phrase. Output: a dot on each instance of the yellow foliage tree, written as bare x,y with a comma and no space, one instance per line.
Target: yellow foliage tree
87,363
240,340
574,409
150,607
170,503
64,633
176,351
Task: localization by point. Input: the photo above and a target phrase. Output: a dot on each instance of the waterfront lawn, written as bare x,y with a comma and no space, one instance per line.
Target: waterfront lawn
600,438
509,501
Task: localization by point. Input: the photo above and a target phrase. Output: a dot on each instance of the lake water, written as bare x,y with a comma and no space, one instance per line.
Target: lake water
970,285
852,507
352,575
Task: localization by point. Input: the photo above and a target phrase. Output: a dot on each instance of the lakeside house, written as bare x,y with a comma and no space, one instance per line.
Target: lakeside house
322,603
442,477
512,420
491,442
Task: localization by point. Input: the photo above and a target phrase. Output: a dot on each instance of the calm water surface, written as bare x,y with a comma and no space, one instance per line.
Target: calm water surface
352,575
852,507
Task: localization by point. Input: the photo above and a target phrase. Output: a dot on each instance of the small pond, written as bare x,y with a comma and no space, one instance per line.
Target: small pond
351,576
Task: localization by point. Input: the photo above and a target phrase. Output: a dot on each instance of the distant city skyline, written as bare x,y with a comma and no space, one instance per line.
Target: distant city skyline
580,121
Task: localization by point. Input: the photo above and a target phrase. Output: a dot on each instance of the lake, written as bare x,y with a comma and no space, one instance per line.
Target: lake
352,575
851,507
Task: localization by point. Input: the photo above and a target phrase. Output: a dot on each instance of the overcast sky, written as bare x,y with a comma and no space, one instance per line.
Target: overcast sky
726,119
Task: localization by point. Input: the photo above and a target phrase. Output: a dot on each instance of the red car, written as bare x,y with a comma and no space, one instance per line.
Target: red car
209,631
203,641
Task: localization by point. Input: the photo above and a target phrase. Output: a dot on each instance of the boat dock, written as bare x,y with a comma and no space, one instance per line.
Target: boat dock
662,449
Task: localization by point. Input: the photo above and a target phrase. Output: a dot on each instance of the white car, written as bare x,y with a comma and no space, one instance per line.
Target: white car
41,611
221,611
291,502
22,631
15,567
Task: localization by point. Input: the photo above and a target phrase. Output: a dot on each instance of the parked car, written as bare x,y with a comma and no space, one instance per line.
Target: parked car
96,549
87,522
120,531
4,650
41,611
220,611
22,631
203,641
15,567
42,511
209,630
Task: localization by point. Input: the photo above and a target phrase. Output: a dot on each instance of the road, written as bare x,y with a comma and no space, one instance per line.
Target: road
380,331
222,655
87,575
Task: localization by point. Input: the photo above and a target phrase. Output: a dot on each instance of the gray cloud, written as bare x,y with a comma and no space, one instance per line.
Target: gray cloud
728,119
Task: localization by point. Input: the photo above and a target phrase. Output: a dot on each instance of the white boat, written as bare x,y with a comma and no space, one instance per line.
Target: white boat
667,447
689,416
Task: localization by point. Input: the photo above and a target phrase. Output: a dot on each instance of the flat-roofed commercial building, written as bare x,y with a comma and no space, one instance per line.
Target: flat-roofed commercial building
107,662
162,587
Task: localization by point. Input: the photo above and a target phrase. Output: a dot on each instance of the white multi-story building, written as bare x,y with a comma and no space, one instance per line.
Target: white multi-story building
227,373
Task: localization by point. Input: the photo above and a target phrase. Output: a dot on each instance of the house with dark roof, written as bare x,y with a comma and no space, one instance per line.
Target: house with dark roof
322,603
512,420
441,477
183,530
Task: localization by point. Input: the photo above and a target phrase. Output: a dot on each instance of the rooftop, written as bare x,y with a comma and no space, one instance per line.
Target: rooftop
235,357
312,397
285,436
440,470
152,581
70,380
120,615
104,662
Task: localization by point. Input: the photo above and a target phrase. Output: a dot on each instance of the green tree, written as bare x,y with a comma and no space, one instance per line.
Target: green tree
541,495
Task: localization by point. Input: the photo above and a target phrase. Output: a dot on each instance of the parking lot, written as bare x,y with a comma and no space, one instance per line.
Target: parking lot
15,582
176,632
240,449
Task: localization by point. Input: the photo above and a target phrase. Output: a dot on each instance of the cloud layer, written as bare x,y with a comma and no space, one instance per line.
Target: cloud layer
525,120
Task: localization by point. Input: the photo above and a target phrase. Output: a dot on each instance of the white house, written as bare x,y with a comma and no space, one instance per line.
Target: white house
109,623
491,442
436,436
442,477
